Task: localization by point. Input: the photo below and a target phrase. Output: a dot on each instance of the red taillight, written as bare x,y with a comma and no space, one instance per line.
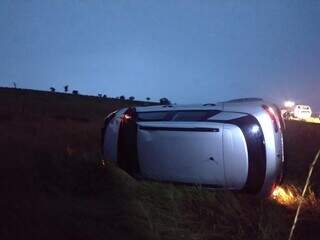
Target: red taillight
126,118
273,116
129,115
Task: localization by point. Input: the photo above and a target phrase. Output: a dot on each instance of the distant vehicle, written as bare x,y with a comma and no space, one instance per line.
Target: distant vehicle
302,111
236,145
297,112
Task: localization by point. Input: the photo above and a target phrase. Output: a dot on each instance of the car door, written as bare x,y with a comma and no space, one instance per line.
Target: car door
185,149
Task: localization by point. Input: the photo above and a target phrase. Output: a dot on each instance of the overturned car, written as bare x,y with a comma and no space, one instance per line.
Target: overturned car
236,145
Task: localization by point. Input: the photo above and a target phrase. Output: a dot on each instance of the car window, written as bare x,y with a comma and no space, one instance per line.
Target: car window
152,116
193,115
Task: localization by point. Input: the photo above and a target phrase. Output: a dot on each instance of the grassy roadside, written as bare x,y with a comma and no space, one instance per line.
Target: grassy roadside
53,186
68,200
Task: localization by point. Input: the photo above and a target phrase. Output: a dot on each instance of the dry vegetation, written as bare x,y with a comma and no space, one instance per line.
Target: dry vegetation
53,186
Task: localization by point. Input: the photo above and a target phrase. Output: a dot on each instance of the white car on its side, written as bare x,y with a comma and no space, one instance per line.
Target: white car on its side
236,145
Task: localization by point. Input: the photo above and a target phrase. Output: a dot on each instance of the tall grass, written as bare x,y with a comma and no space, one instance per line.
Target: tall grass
53,185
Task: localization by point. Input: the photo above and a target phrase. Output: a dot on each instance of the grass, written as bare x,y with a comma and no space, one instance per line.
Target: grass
313,120
53,185
195,213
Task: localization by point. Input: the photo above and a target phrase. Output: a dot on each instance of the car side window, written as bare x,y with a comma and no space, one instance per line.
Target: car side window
153,116
183,116
193,115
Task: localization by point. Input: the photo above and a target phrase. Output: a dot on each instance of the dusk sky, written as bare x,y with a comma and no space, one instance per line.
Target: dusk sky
188,51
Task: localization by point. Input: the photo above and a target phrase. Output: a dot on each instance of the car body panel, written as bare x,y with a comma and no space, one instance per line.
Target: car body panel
163,152
234,146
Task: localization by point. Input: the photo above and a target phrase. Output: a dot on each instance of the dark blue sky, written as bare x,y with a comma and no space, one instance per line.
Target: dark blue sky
188,51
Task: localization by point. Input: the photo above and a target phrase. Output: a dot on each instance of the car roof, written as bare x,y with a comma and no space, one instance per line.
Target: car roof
174,107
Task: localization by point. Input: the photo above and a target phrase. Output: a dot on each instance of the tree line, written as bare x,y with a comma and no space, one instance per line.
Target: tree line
163,101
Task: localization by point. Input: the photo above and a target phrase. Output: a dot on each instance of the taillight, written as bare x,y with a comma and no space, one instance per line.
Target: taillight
129,115
272,115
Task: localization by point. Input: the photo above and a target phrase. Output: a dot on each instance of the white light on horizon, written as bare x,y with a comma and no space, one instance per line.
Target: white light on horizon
289,104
